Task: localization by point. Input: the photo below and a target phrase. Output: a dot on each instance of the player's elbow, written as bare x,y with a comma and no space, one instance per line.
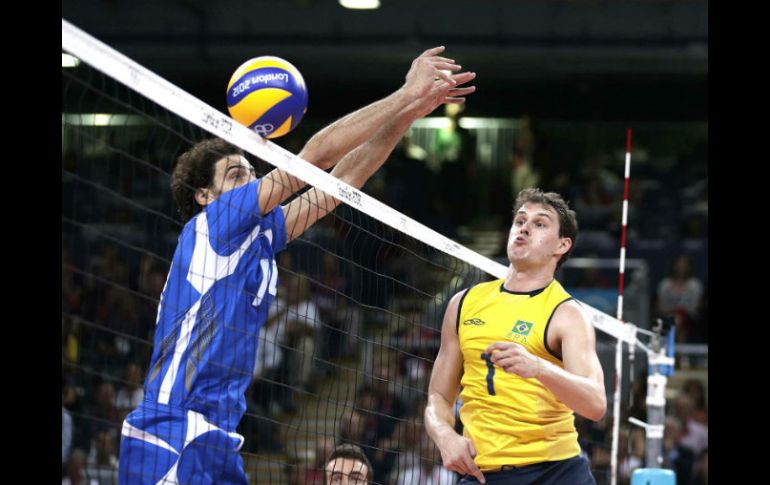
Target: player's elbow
598,408
317,154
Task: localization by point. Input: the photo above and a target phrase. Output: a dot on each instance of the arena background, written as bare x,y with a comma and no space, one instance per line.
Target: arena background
558,83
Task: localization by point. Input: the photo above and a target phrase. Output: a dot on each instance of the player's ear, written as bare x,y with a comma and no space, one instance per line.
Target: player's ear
564,245
203,197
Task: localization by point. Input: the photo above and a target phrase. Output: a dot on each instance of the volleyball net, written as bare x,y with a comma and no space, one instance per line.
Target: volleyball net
347,350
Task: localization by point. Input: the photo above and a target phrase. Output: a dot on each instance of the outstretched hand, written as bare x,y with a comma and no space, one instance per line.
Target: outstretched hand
428,83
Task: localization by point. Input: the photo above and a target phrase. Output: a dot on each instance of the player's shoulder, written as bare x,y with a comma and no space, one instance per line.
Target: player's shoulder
569,317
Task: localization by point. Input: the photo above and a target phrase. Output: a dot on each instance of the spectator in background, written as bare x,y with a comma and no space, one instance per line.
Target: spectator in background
103,412
388,402
117,321
697,392
150,282
105,402
348,465
70,339
424,467
523,176
701,469
71,286
311,470
609,183
343,321
447,145
630,458
304,328
593,277
131,392
353,429
675,456
67,398
386,410
269,362
103,451
695,435
452,153
407,183
679,295
76,470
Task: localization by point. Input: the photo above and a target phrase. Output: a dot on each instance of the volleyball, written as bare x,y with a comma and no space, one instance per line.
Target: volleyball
267,94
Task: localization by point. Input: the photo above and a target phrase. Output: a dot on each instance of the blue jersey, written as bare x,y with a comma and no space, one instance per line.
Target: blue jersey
220,286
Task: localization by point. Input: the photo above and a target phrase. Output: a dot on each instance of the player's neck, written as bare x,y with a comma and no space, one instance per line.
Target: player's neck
527,279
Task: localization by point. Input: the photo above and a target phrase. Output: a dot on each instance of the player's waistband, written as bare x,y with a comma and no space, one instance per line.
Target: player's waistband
148,412
530,466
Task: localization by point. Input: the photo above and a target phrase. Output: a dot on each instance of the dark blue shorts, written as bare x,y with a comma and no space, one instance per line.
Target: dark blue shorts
572,471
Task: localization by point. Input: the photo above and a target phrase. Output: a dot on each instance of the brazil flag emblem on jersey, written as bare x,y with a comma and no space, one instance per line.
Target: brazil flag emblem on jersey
522,328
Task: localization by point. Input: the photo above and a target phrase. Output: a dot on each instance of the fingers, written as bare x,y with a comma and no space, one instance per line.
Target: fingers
463,77
473,469
459,458
446,77
443,61
433,51
456,95
511,347
498,346
459,92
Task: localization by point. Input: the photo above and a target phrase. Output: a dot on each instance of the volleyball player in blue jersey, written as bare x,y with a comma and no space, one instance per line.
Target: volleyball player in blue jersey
223,278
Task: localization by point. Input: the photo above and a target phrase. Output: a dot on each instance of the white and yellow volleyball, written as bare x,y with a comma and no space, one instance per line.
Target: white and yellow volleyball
267,94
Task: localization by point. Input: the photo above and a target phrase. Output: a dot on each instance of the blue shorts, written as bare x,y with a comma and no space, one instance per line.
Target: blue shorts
165,445
572,471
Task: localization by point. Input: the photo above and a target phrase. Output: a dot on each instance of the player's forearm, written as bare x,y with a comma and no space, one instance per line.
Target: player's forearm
581,394
355,169
439,418
360,164
329,145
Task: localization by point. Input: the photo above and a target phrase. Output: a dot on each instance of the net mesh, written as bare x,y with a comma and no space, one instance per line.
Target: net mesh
344,356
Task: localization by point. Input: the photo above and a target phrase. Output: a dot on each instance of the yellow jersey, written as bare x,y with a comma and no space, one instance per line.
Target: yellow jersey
511,420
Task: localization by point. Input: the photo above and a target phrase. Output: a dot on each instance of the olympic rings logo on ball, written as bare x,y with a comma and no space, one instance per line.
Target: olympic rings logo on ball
263,130
268,94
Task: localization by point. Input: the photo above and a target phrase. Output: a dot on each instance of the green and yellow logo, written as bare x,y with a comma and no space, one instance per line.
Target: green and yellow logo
521,328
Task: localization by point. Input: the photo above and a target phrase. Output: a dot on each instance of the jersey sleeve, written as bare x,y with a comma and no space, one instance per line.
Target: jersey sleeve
236,213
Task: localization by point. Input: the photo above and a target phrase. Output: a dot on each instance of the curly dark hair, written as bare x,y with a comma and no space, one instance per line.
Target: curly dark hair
568,226
194,169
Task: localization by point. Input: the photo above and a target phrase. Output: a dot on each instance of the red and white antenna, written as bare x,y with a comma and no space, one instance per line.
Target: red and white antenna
619,348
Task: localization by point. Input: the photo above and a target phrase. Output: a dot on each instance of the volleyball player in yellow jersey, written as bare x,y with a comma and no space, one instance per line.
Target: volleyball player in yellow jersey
525,357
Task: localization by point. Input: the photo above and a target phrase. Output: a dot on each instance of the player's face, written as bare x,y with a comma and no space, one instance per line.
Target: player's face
534,236
231,172
346,471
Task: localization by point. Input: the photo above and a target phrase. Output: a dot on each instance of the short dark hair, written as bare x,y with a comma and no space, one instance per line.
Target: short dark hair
568,226
348,450
195,169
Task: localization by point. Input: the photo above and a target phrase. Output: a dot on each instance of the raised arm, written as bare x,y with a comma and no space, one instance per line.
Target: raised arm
358,165
332,143
457,452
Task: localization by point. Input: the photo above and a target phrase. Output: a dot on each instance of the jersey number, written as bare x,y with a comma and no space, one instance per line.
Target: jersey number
490,373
